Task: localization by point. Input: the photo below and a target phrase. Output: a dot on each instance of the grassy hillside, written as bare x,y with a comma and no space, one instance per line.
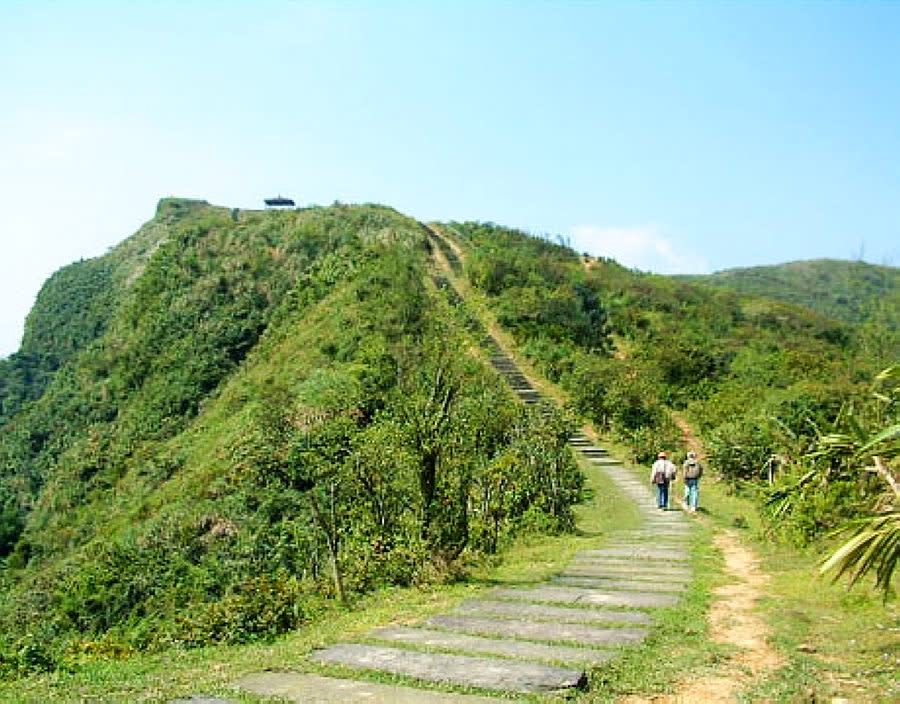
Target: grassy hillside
256,412
851,291
656,362
235,416
73,309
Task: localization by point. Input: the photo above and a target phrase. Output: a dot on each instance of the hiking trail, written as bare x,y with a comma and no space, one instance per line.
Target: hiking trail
539,638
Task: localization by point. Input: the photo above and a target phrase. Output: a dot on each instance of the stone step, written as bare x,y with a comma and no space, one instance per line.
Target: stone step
650,530
316,689
671,572
597,452
620,570
539,630
544,612
655,567
678,543
465,643
636,585
586,597
657,521
604,461
469,671
639,553
654,537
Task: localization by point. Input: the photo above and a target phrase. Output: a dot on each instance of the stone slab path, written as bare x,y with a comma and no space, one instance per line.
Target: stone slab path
588,597
443,668
544,631
315,689
463,643
539,638
543,612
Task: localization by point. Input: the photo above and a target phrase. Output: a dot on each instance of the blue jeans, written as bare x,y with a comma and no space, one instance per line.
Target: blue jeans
693,493
662,495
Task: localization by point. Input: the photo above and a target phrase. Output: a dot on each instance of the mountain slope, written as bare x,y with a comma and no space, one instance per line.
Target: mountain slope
851,291
276,408
241,413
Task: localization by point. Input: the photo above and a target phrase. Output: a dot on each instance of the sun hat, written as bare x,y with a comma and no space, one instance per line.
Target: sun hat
661,455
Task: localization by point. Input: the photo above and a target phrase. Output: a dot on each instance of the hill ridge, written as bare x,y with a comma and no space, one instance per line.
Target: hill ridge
501,652
852,291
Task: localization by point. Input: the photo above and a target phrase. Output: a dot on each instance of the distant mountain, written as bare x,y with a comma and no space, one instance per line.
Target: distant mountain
851,291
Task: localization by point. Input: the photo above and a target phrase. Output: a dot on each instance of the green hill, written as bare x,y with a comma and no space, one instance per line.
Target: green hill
249,413
851,291
236,415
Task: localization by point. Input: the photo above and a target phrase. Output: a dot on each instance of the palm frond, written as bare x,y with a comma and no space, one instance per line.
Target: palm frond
892,373
874,546
886,434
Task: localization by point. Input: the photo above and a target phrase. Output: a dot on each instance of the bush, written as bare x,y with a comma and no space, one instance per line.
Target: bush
259,609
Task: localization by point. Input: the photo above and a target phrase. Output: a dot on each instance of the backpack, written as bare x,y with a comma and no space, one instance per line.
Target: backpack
670,470
693,469
660,472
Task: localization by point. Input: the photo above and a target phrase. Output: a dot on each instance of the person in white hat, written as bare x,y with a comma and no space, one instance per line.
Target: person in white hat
662,472
692,471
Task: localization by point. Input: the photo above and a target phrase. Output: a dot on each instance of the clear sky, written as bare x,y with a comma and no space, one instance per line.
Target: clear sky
676,137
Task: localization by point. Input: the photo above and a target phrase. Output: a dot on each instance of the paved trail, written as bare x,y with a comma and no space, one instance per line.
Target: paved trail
539,638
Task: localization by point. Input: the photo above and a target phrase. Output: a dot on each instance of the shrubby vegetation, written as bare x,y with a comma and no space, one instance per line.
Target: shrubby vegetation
760,381
852,291
275,409
235,416
848,480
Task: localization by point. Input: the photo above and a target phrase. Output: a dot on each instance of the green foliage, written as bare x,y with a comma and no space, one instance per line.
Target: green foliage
71,311
541,293
239,414
275,409
259,609
851,291
873,548
759,377
850,472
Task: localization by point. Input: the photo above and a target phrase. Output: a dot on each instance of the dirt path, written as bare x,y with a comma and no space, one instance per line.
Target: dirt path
687,434
732,621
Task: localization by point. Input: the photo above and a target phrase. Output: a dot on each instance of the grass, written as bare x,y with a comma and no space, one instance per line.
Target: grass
838,643
179,673
678,642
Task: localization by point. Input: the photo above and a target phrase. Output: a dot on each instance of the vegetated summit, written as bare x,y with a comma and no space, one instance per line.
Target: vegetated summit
852,291
234,417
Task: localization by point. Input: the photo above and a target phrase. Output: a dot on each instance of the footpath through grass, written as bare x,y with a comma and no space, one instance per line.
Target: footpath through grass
838,643
179,672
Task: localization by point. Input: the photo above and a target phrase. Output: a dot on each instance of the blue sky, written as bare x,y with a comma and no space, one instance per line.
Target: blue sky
676,137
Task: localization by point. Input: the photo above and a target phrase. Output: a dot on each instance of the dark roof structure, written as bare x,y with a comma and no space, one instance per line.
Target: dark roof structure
279,202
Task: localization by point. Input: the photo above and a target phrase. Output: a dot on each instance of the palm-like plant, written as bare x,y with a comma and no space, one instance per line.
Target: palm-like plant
868,440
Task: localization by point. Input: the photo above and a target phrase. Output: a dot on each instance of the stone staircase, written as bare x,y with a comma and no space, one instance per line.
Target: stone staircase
524,640
532,639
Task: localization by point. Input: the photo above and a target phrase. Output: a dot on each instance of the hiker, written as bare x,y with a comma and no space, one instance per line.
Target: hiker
692,471
662,472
